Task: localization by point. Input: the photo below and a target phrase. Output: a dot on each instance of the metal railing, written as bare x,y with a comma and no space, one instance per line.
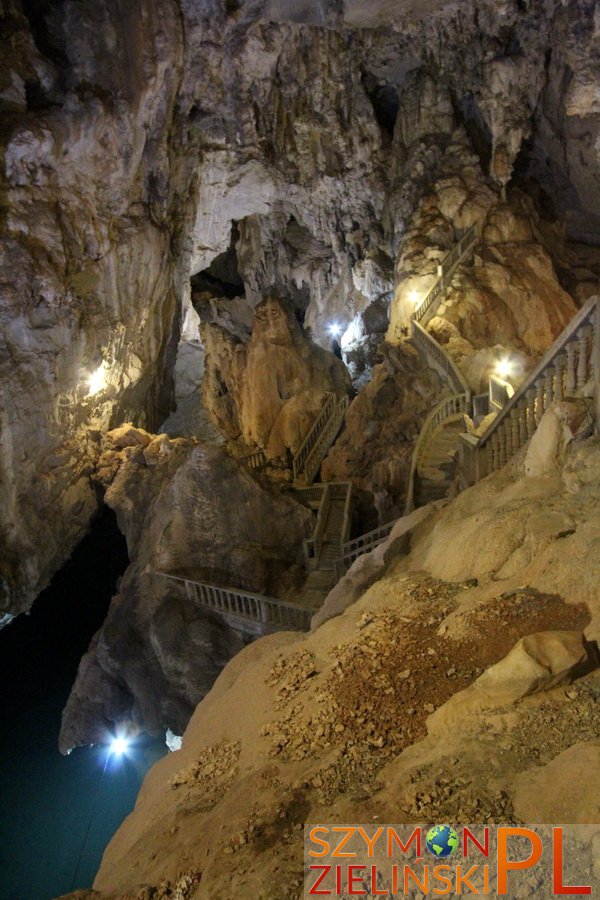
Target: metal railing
333,492
448,266
312,494
267,612
325,439
439,359
255,460
313,545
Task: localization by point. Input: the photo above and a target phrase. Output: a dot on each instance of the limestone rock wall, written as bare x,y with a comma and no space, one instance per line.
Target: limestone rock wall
134,137
86,263
510,301
188,509
269,390
426,674
374,451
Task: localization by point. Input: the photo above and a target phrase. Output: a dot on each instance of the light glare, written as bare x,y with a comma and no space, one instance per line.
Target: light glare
97,380
413,296
503,368
119,746
335,329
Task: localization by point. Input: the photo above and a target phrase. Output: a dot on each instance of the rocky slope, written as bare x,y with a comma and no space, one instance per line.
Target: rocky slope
473,633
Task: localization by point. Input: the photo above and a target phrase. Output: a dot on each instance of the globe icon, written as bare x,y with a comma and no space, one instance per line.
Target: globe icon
441,841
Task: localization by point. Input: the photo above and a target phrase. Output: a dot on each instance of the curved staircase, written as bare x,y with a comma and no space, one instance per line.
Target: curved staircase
436,469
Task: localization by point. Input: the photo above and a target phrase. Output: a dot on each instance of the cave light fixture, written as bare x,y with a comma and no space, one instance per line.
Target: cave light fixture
119,745
504,368
97,380
335,329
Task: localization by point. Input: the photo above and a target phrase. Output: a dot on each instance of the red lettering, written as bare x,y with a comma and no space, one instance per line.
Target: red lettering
469,836
375,892
351,879
313,892
558,868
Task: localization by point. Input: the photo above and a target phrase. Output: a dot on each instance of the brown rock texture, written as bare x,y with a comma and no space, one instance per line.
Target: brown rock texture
375,449
345,724
134,141
269,390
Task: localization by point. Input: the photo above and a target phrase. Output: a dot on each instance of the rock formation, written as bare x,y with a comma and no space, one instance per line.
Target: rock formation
186,509
291,170
134,141
462,678
375,449
268,391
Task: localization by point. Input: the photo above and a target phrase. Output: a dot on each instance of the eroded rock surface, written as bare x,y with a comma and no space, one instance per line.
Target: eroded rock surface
346,722
269,390
186,509
134,140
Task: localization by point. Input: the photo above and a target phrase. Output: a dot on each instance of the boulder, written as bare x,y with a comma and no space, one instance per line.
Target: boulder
538,662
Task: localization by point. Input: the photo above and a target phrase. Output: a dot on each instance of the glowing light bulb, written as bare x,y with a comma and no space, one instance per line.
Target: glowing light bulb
504,367
413,296
335,329
97,380
119,746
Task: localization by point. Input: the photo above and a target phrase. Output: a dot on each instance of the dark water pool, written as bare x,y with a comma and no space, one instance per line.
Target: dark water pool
58,813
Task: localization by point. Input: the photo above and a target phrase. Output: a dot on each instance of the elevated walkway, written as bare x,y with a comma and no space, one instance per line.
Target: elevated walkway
319,439
437,451
570,369
253,614
362,544
334,520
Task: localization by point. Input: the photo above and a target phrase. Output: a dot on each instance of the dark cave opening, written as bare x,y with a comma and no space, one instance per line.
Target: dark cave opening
58,813
385,102
476,127
222,277
44,20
